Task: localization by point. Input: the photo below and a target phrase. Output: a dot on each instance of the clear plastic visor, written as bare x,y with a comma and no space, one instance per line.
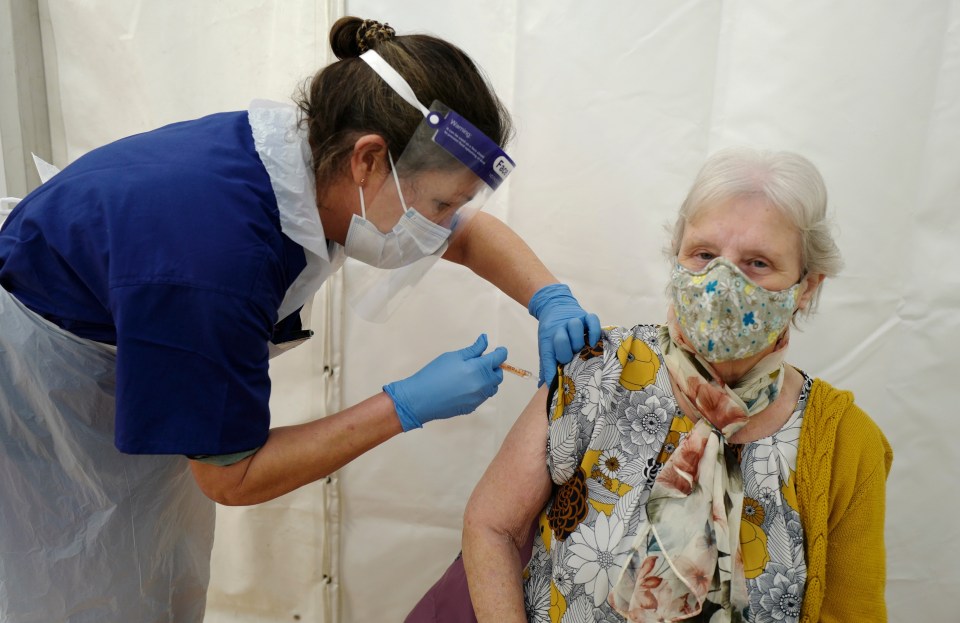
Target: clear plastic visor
431,177
444,176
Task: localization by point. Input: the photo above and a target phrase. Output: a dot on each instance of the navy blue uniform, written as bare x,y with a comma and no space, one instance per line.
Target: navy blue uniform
167,244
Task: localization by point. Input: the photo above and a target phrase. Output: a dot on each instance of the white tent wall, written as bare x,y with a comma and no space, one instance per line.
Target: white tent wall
3,180
24,126
616,105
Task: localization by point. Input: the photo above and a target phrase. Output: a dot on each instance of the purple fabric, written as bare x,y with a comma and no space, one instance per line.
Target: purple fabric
448,600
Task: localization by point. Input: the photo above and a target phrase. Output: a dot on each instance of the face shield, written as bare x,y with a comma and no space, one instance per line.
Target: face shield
443,177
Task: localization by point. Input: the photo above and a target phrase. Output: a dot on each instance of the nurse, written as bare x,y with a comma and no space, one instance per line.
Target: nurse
144,288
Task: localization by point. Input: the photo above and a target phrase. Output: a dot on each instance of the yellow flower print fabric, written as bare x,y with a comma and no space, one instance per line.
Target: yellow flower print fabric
613,423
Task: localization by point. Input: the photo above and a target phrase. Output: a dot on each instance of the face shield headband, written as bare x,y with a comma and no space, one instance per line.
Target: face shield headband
444,175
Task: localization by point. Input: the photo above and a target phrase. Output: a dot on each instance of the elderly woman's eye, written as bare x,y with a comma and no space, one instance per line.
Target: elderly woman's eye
703,255
758,264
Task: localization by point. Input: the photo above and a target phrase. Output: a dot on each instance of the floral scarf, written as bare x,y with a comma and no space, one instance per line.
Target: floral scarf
685,560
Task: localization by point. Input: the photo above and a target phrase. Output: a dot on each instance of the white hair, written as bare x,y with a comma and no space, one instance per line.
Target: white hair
788,181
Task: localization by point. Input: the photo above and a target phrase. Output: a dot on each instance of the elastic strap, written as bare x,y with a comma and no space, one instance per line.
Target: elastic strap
396,180
394,79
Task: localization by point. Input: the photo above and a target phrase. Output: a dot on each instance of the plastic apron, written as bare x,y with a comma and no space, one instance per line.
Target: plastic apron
88,534
285,153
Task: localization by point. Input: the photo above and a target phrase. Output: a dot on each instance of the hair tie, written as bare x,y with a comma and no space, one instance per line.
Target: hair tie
372,32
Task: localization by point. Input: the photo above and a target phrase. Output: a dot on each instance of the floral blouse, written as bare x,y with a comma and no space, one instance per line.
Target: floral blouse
613,422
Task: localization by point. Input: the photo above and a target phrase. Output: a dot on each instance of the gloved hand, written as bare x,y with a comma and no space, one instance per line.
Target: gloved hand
454,383
564,327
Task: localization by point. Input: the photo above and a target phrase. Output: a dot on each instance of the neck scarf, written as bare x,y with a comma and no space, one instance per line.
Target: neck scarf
685,560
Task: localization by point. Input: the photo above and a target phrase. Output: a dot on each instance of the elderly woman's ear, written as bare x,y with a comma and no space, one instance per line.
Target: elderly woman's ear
812,281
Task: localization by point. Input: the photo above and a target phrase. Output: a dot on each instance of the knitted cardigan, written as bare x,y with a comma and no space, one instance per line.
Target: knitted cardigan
842,466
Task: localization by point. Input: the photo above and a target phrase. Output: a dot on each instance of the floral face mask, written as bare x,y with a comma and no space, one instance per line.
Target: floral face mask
724,315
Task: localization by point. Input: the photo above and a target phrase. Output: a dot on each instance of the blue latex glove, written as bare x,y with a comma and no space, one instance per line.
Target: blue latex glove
564,327
454,383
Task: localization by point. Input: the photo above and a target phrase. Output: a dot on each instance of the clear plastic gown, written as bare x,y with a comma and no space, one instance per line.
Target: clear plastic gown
87,534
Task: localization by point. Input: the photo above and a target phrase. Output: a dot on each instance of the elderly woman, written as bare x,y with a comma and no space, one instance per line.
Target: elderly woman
683,470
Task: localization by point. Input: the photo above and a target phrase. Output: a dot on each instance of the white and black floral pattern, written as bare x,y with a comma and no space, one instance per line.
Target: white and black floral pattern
777,595
613,440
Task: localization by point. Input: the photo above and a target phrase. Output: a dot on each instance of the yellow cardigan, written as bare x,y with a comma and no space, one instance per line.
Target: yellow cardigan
842,466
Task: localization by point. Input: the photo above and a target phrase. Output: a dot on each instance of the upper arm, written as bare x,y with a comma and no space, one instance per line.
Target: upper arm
459,247
516,485
855,580
192,370
856,554
198,267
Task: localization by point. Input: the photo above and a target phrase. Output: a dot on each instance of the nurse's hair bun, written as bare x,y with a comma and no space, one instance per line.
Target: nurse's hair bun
352,36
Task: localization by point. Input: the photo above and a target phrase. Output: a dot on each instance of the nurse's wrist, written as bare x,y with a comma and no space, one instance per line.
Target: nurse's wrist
545,295
408,420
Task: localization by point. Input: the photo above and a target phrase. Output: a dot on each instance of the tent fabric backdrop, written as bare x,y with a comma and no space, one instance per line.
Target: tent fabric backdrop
616,106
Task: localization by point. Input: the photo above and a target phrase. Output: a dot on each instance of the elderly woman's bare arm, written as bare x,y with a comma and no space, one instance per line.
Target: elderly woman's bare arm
501,510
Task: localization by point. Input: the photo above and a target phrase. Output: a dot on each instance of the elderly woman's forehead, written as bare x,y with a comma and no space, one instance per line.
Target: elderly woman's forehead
744,217
747,205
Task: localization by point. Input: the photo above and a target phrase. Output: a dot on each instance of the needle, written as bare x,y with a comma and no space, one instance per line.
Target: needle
518,371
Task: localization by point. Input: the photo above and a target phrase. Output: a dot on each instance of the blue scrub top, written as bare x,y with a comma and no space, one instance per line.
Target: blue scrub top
168,245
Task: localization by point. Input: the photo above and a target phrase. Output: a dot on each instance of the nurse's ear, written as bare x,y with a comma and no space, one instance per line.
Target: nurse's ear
369,165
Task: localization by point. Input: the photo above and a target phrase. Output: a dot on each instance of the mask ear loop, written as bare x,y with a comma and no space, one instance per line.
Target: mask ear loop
393,78
363,205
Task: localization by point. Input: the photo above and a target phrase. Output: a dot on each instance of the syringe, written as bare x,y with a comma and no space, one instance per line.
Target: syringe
515,370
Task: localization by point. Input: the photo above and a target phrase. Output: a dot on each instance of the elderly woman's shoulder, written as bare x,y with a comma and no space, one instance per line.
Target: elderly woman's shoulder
615,335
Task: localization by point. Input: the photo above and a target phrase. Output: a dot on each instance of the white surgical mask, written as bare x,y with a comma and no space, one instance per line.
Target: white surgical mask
413,237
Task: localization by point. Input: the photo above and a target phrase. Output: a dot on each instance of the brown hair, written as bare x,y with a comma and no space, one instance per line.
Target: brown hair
347,99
